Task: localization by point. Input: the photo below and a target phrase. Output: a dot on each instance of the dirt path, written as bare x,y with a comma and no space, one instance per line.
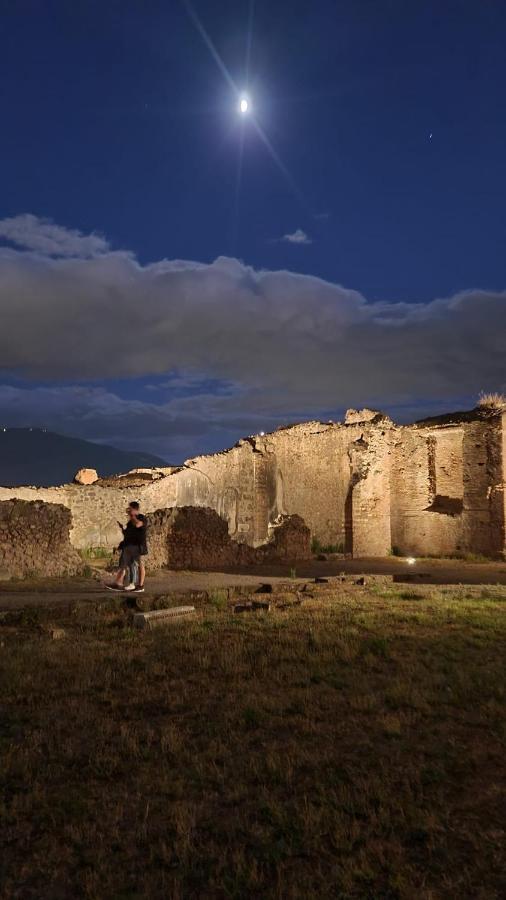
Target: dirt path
59,593
17,595
423,571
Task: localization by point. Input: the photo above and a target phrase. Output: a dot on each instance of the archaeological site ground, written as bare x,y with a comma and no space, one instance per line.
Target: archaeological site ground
327,717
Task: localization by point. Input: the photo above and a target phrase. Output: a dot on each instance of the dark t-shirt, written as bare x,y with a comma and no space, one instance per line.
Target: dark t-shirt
136,537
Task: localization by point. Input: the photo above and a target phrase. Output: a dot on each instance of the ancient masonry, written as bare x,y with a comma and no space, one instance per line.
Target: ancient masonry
366,486
34,539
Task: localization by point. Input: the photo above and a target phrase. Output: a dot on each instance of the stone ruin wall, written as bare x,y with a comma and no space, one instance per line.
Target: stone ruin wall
34,540
365,486
448,488
335,477
95,509
192,537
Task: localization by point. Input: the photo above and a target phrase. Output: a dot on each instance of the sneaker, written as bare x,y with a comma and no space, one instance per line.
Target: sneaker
114,587
129,587
139,590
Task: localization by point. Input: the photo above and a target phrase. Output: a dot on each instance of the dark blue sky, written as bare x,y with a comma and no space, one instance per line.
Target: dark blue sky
388,119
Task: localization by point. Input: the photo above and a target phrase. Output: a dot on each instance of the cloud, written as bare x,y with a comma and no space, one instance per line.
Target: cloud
298,237
173,428
291,346
48,239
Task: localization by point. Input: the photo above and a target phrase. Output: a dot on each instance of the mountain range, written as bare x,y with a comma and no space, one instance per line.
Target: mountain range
36,456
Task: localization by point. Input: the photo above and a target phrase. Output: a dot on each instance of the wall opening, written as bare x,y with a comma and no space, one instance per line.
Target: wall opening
445,472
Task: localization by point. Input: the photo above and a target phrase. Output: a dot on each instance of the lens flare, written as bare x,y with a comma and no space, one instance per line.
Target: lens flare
244,105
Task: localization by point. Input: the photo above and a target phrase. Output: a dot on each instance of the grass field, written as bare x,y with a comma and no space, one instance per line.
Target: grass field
351,747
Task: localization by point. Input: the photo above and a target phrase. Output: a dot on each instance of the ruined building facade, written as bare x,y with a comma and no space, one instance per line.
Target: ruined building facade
367,486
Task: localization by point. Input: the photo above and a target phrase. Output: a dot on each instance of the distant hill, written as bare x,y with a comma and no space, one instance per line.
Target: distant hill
43,458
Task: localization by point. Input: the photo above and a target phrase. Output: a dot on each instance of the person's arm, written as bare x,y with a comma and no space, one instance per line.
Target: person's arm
122,527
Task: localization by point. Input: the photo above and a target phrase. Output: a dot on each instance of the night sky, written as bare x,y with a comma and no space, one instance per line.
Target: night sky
174,275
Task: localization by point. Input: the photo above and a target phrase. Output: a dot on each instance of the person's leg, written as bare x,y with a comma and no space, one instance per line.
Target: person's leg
133,567
119,578
133,575
124,563
142,572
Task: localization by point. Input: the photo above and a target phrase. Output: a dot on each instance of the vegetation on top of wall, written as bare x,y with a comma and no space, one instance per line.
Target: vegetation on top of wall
492,400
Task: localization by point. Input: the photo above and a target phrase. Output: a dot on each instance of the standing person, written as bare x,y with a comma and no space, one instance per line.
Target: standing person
132,546
138,568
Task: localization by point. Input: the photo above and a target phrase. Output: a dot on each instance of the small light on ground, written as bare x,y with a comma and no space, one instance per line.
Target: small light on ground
410,560
262,433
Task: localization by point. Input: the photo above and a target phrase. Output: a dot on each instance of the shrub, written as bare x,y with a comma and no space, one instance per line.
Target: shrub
95,553
318,547
218,599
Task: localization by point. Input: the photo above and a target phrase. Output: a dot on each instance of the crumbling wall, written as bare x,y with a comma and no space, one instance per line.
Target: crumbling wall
303,470
95,508
445,484
367,514
289,541
364,486
198,538
336,477
34,540
483,480
226,482
309,474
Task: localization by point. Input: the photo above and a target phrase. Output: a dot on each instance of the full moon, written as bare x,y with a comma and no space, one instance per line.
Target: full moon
243,105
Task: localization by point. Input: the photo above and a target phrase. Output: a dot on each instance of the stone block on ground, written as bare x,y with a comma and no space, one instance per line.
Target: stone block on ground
261,604
56,634
253,606
162,616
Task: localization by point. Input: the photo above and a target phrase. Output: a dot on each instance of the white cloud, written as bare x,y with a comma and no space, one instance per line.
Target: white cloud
44,237
298,237
293,345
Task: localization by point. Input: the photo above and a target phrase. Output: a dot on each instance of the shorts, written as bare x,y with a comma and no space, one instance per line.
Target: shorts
129,555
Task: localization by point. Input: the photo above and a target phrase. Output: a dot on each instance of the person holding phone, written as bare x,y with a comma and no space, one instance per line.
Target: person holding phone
133,547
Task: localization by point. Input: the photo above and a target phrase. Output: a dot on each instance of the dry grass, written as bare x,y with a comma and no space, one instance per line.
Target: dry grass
493,401
352,747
